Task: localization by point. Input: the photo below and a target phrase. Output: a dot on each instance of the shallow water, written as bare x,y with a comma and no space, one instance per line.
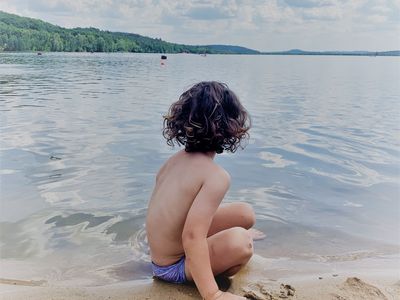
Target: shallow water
81,143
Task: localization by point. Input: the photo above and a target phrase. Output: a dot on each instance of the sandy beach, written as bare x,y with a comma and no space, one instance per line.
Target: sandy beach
261,279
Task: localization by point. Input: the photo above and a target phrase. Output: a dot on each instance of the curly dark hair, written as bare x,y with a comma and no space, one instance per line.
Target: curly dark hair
207,117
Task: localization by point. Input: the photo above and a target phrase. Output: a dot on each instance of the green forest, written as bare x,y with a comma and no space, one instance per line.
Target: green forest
26,34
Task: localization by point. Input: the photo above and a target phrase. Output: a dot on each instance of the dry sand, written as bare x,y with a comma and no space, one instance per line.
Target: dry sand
253,282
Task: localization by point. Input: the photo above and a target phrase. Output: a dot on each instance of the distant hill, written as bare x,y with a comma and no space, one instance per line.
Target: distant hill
232,49
352,53
27,34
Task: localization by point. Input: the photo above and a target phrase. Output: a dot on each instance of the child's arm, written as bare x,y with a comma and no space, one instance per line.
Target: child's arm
194,235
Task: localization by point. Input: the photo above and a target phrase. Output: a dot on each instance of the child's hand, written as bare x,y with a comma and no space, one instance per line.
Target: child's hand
226,296
229,296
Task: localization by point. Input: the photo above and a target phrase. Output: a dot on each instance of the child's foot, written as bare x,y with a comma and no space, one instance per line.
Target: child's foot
256,234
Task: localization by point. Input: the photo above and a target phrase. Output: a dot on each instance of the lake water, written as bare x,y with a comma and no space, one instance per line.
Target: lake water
81,143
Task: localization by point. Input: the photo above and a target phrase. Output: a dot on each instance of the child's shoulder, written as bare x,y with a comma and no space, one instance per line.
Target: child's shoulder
211,170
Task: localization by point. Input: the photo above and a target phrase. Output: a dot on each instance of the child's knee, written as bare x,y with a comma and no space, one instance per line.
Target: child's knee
242,244
247,214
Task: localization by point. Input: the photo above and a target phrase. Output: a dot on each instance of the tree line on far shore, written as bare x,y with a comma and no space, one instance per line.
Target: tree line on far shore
26,34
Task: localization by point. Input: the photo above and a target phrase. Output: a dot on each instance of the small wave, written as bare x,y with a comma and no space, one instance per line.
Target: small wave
140,245
351,256
27,105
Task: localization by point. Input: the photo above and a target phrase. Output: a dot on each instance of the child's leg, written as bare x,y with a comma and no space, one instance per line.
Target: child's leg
229,250
230,215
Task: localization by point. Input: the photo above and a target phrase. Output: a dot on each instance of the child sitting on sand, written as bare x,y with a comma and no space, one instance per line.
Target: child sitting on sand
192,237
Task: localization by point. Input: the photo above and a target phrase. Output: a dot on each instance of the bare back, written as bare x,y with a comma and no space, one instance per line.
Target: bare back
178,182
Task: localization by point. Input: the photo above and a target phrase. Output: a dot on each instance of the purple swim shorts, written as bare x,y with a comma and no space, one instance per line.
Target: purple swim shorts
174,273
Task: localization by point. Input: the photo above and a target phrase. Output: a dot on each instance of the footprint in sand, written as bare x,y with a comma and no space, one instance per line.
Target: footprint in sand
22,282
259,291
356,289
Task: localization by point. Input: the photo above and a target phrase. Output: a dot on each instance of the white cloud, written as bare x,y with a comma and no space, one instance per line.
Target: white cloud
377,19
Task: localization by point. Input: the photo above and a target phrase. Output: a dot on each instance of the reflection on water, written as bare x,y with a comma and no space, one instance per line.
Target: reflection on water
73,219
81,143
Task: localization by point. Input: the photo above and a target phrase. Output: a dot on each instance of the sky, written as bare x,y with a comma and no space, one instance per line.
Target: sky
268,25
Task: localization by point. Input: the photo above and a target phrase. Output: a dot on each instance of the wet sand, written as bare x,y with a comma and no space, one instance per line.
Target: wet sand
357,280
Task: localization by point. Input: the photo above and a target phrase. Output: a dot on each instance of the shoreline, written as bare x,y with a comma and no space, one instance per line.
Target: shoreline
306,53
262,278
